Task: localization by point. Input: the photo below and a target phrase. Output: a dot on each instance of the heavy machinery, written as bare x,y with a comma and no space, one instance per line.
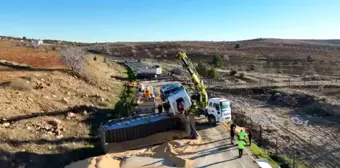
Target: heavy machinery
180,102
145,100
215,109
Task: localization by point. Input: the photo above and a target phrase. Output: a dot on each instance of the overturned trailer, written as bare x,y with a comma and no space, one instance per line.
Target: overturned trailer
136,132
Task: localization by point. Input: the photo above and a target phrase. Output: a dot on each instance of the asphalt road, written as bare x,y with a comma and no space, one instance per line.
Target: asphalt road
218,152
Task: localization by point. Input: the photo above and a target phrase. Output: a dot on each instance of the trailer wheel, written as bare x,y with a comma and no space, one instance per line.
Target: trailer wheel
212,120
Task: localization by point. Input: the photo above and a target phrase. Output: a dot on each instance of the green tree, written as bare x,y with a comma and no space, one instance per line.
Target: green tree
202,69
237,46
24,38
217,61
212,73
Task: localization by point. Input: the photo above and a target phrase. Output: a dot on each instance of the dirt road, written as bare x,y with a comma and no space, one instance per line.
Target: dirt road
216,151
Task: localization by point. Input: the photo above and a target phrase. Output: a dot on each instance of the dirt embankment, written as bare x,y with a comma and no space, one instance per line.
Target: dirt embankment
50,118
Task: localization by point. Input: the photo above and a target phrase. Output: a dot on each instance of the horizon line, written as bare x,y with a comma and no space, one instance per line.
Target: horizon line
251,39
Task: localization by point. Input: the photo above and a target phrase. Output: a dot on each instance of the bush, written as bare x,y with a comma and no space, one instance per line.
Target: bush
73,57
242,75
176,71
226,58
212,73
237,46
232,72
202,69
217,61
309,58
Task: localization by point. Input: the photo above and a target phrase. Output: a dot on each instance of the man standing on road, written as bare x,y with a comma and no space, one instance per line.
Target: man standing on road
249,136
232,132
240,144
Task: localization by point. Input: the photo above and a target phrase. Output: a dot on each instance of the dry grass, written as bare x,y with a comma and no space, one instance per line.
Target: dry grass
39,58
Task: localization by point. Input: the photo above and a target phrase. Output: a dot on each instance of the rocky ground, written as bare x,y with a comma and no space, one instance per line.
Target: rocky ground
49,118
293,122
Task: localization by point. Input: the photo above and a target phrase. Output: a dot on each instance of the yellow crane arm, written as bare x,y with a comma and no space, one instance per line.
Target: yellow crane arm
198,83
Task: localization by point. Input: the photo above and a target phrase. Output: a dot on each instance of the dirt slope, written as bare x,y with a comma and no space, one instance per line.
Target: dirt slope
49,118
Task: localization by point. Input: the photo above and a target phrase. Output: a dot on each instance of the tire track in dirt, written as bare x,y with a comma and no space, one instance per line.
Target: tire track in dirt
310,149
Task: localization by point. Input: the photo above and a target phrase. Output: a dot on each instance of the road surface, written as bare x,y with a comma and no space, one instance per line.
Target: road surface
217,151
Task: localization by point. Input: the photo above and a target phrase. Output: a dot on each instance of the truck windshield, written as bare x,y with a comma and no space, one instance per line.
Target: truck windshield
225,106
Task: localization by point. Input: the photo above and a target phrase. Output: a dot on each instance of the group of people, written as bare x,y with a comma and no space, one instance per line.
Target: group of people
241,142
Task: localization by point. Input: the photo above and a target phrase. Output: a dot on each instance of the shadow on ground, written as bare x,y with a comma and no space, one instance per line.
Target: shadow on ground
96,116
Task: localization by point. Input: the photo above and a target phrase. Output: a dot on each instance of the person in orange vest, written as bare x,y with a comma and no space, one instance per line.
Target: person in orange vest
147,93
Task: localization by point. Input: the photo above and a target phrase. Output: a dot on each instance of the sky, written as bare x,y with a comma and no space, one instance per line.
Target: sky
170,20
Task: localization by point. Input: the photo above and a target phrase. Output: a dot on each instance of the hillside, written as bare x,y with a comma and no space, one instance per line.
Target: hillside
286,56
333,41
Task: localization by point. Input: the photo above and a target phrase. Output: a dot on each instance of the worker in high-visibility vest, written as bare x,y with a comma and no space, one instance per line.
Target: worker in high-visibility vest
241,135
240,144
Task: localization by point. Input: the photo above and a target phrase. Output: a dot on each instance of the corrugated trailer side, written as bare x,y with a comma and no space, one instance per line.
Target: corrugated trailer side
136,128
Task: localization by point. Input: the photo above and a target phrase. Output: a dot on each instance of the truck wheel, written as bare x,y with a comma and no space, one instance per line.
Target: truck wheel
212,120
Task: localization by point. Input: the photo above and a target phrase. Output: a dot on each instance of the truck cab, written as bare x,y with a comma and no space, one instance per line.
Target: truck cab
169,89
218,110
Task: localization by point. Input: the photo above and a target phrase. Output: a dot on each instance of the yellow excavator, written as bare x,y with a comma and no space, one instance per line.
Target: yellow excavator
202,99
215,109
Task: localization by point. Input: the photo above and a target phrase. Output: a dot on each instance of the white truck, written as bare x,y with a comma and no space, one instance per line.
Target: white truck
154,71
218,109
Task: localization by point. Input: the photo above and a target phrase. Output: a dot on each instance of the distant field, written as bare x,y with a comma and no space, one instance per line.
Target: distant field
267,55
17,51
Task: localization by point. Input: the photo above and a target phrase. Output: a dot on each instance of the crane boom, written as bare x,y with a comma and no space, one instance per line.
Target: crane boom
198,83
